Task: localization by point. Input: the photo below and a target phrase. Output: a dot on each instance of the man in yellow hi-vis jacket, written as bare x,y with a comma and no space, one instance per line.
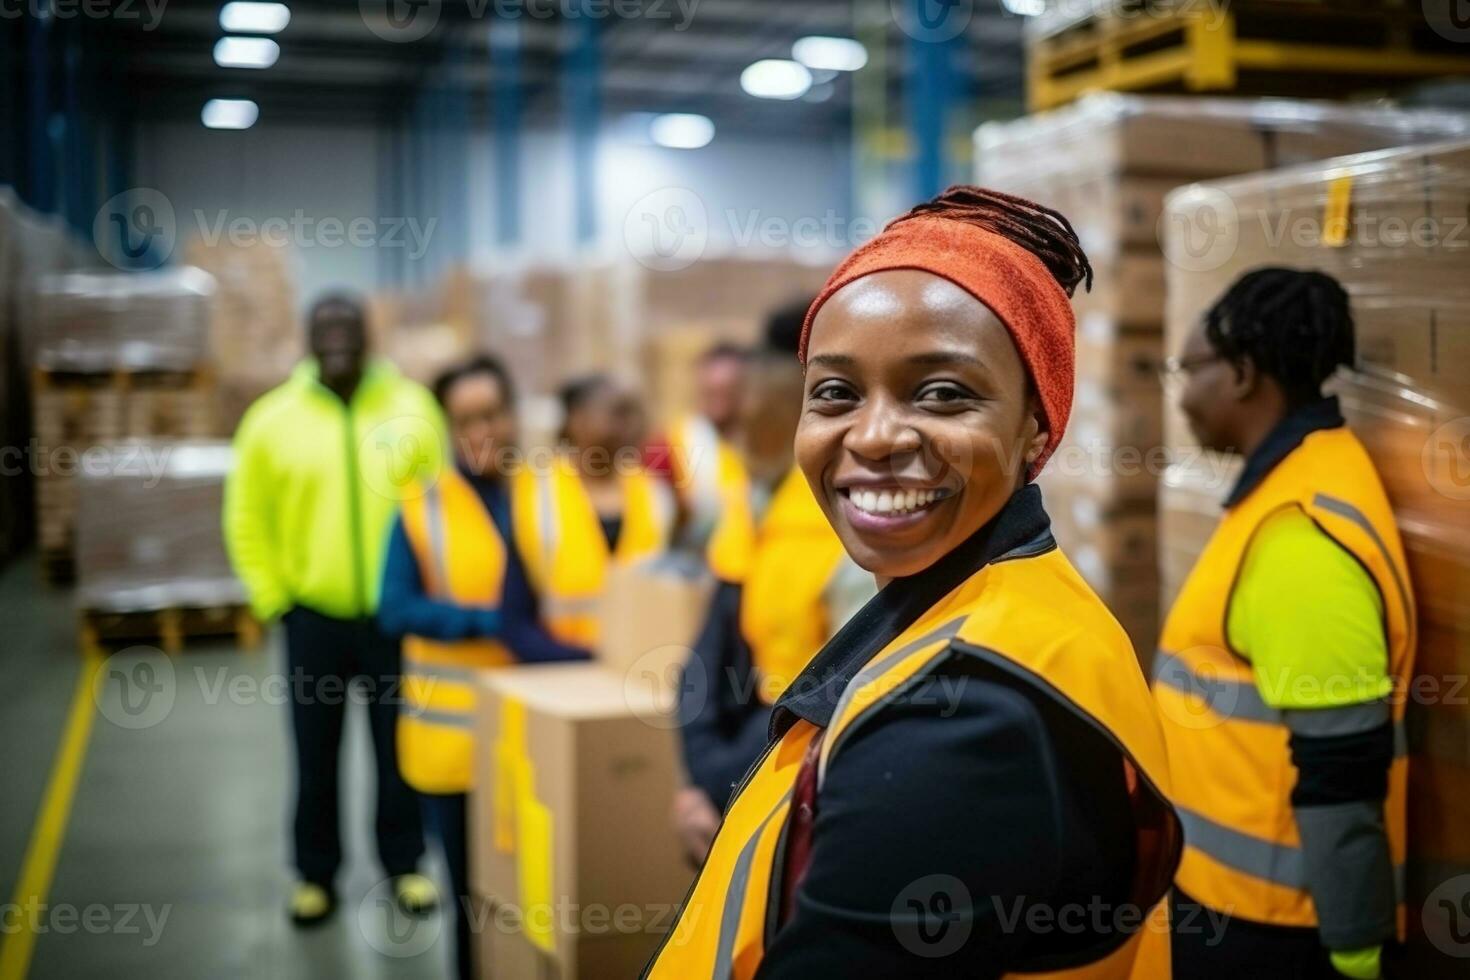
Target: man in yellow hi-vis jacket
1280,657
321,463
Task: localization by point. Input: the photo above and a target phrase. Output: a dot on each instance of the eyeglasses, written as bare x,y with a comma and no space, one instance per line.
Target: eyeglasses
1174,366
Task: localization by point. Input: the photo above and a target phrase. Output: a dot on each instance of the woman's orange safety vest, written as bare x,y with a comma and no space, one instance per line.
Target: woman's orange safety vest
1229,751
783,567
461,559
1034,617
561,542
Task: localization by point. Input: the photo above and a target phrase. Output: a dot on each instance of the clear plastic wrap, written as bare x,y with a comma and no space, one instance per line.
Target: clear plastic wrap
143,321
148,527
1392,226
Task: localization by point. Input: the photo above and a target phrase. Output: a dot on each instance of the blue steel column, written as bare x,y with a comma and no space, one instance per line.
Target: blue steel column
40,164
505,84
930,92
581,84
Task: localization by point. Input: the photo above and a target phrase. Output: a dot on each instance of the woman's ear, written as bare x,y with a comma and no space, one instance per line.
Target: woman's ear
1036,432
1245,378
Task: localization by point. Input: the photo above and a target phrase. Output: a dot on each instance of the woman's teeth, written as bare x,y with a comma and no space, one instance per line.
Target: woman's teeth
892,501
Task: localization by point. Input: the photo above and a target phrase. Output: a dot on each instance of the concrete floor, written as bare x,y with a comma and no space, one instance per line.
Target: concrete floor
176,841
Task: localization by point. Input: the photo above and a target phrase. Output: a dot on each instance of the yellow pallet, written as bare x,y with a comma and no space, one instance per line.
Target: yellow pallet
170,628
1197,47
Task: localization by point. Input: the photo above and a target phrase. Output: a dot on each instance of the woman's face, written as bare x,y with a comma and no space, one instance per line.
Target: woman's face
918,420
481,423
611,420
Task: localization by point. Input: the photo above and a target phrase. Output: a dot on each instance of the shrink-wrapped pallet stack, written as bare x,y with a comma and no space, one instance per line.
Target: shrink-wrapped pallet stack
1394,228
1107,163
117,355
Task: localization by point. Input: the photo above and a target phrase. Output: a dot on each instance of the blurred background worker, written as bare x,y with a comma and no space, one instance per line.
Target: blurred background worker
703,463
783,587
590,505
319,464
1295,626
457,592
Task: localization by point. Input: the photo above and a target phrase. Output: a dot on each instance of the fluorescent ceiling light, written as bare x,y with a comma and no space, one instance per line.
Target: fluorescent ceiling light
681,130
830,53
246,52
776,78
230,113
249,17
1025,8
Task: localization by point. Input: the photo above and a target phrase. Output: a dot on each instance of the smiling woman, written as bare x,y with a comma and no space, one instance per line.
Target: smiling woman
980,732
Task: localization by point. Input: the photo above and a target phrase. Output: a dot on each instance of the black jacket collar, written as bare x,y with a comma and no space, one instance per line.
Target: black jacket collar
1325,413
1021,528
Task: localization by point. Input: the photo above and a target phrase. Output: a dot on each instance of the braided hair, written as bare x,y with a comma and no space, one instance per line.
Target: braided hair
1045,233
1294,325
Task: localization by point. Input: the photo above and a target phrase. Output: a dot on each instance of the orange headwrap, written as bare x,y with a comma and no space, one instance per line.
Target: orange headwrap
1016,286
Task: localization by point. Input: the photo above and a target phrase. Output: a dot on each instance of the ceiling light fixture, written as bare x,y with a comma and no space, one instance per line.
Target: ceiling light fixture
776,78
229,114
250,17
830,53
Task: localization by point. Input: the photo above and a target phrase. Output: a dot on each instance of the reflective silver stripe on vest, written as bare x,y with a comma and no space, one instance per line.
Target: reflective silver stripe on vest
434,517
875,670
547,492
1241,701
435,716
735,896
1348,719
1280,864
1344,509
1230,698
443,672
570,605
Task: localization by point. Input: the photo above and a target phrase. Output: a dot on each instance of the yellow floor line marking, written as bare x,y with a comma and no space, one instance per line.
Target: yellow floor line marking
39,866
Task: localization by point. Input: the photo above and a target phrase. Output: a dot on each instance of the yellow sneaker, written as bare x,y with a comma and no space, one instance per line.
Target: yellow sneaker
310,904
416,894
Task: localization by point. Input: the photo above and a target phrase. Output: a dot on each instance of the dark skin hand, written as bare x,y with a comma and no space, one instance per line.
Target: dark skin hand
915,398
1231,406
338,341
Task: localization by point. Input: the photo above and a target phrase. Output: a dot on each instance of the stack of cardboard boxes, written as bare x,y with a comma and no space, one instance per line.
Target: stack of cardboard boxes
117,356
1392,227
255,335
575,870
1107,163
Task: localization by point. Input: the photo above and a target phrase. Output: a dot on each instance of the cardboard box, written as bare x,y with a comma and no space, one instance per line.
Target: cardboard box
1127,289
575,772
651,614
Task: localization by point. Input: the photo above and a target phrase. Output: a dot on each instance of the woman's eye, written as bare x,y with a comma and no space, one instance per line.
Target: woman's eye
943,393
832,391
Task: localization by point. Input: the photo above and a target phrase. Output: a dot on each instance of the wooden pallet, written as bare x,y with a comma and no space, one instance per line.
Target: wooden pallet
1288,47
171,628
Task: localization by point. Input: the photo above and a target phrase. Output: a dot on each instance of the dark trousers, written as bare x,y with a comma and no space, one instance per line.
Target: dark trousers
447,818
331,662
1242,950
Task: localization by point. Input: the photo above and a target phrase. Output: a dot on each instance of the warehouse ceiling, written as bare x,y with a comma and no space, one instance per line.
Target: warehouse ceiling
674,55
